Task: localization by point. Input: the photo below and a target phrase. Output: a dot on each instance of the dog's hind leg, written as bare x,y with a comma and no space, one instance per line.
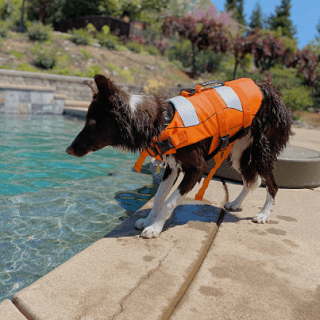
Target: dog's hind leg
247,188
240,158
272,189
169,178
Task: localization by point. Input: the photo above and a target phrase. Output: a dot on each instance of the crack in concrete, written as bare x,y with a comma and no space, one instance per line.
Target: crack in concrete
142,280
167,316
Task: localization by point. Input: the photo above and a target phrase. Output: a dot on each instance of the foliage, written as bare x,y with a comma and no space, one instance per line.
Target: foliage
318,31
204,34
16,54
265,48
236,7
11,11
80,36
307,63
77,8
26,67
40,10
152,50
108,41
138,39
4,28
39,32
205,60
256,17
284,78
314,46
282,19
213,35
182,8
105,30
135,47
148,11
86,55
46,11
45,57
92,71
298,98
110,7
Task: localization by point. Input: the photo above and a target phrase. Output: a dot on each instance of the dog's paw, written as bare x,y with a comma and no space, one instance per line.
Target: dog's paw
261,217
233,205
152,231
141,223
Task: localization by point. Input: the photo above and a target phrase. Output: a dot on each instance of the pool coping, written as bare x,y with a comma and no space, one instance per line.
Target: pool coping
123,275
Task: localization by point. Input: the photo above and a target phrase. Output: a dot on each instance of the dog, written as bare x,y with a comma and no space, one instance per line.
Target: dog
130,122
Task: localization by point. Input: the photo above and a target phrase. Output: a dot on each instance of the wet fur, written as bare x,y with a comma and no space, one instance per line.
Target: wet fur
120,125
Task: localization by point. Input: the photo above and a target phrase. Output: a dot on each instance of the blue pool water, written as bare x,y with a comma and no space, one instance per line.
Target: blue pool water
53,205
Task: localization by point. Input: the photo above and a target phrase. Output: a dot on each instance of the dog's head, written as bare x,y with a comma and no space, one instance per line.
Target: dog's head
100,129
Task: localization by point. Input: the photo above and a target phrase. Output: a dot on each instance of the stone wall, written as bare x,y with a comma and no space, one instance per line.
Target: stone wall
18,99
74,88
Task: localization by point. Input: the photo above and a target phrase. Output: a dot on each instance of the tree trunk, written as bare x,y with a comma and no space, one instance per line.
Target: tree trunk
235,70
193,58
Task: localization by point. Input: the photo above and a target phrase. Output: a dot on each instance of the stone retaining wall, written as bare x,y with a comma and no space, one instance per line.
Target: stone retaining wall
74,88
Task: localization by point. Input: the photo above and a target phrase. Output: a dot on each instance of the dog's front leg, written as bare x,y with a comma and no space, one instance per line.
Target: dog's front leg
154,230
191,177
166,185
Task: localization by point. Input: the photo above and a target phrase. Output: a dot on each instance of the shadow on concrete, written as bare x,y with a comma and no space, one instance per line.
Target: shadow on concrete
182,215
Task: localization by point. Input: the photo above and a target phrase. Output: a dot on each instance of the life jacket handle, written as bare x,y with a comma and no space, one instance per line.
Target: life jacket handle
198,88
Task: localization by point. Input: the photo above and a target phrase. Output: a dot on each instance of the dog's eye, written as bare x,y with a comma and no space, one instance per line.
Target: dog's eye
92,122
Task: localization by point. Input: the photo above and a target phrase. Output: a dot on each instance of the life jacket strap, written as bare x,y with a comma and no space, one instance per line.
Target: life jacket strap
138,165
218,159
216,100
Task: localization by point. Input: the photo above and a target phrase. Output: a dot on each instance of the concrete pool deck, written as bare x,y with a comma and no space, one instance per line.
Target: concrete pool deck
249,271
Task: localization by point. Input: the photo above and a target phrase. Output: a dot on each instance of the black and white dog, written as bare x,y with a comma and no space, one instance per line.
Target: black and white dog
122,120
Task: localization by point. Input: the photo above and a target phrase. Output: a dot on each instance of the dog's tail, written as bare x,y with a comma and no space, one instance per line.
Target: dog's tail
270,128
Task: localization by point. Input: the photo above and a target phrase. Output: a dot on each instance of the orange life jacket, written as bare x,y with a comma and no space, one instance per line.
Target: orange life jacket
223,112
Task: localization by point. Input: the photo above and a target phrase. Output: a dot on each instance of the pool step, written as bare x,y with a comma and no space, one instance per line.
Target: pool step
26,99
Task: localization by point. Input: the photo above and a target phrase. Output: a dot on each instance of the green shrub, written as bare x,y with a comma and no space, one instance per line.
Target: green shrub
39,32
4,28
86,55
105,30
285,78
152,50
92,71
205,60
298,98
135,47
110,42
45,57
26,67
81,36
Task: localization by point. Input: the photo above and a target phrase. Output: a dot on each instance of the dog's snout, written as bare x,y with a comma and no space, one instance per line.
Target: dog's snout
69,150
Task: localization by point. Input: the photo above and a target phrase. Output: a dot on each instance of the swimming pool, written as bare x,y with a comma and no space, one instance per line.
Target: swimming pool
53,205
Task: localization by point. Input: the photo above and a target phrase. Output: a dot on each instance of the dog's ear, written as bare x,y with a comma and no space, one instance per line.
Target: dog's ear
104,84
92,86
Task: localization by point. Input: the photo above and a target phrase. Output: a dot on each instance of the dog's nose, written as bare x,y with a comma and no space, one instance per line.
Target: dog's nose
69,150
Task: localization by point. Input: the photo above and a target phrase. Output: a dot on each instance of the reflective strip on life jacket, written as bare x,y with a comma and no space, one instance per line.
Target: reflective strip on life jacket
229,97
186,110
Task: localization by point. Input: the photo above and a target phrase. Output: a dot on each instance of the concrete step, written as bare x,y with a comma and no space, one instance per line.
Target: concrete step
127,277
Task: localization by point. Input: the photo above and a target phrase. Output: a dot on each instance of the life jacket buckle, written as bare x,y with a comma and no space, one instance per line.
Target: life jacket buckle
224,142
165,145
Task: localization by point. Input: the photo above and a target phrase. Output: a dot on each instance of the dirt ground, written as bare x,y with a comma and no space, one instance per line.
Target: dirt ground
311,119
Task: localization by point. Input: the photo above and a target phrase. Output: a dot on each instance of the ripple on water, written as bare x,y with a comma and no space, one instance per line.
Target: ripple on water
52,205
